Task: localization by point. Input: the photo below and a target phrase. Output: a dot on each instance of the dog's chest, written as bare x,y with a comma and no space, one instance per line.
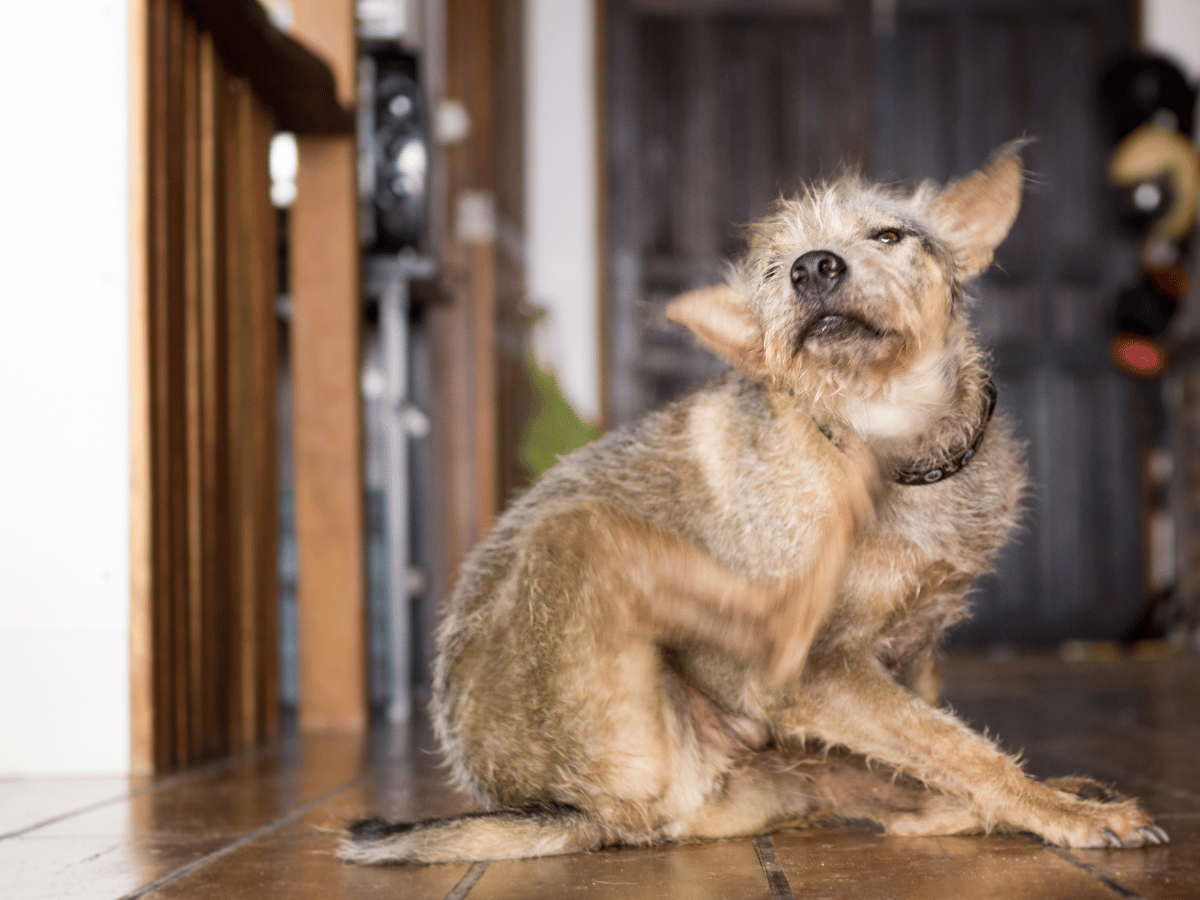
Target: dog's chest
773,488
770,525
908,575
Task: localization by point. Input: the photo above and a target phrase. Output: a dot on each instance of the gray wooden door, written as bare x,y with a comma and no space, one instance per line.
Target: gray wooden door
715,107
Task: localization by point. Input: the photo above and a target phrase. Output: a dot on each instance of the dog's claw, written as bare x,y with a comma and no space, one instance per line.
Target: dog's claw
1112,839
1155,835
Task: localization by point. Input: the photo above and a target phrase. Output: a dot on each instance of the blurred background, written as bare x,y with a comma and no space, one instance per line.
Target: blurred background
329,282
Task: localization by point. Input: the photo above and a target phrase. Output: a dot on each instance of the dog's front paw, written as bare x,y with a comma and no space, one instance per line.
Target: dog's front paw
1095,824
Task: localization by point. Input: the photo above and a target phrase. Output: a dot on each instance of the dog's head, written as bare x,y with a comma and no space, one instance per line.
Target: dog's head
848,295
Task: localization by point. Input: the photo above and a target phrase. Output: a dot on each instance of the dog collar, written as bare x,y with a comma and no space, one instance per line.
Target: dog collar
922,473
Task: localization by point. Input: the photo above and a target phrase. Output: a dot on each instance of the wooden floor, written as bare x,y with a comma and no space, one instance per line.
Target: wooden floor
260,826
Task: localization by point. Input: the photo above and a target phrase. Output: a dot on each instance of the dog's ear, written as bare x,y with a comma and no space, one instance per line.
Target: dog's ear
723,321
973,215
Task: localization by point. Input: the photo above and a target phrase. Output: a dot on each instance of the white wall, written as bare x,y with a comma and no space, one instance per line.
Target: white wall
561,205
1173,27
64,409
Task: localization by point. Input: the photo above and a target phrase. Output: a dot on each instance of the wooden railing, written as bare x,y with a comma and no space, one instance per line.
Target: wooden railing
212,82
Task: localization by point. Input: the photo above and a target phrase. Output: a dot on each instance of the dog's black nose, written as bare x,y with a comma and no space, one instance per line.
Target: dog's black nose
817,271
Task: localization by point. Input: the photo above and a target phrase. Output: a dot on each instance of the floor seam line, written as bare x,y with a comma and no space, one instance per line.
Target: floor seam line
468,881
247,838
1095,872
777,881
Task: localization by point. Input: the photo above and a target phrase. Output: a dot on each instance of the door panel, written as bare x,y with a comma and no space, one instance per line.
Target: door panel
1033,68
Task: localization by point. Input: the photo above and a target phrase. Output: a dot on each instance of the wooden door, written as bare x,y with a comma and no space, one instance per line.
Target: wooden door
717,107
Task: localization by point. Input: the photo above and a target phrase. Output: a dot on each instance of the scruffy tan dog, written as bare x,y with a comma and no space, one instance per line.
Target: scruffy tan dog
706,624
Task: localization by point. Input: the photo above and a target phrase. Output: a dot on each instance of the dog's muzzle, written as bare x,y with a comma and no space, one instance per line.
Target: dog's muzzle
816,278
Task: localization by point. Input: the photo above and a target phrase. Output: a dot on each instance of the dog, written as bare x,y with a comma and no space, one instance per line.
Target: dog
723,619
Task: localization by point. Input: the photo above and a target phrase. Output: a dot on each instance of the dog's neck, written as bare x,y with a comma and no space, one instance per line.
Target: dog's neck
898,413
935,469
926,428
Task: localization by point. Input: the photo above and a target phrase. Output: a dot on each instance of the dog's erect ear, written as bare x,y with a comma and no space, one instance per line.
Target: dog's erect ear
724,322
973,215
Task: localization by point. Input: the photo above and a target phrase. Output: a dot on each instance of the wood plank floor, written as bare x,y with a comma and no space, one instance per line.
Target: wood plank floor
260,826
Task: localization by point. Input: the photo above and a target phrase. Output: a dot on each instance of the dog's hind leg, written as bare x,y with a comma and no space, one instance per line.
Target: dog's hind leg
502,834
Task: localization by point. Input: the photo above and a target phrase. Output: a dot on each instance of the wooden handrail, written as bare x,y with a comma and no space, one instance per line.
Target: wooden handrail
296,84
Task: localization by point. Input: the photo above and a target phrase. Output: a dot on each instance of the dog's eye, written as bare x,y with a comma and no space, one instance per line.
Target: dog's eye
771,272
889,236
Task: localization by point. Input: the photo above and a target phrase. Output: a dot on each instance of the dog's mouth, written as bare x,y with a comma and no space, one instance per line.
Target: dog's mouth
838,326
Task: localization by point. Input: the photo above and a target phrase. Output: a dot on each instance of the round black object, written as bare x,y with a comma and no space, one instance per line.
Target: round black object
1139,88
1142,310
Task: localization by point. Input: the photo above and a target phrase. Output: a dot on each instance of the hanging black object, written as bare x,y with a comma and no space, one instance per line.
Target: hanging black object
1143,88
1142,310
1155,173
397,165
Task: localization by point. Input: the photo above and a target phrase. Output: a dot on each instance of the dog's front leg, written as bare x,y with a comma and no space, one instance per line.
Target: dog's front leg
851,701
677,593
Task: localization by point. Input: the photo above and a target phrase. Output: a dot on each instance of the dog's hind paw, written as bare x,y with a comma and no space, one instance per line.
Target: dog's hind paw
1086,789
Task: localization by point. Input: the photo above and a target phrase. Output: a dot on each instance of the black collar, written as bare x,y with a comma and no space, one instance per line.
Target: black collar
931,471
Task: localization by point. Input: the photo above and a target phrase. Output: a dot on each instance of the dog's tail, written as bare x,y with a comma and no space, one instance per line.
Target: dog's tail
502,834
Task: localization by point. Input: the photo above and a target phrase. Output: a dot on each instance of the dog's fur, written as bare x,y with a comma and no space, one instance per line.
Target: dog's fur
723,619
